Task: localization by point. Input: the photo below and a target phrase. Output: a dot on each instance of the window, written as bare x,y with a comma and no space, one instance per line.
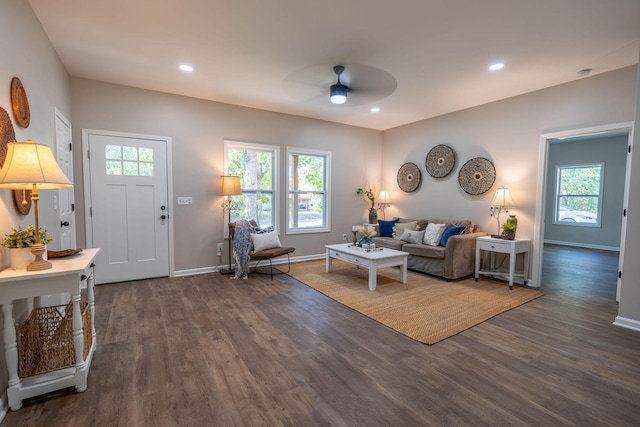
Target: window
578,198
308,201
129,161
257,167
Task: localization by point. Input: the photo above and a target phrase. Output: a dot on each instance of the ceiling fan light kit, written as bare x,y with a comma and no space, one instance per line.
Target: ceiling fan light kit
338,91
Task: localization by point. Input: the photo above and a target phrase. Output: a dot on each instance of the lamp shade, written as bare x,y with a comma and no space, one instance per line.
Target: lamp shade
503,199
27,164
384,197
230,186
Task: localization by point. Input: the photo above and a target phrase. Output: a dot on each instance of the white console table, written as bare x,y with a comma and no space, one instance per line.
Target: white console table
67,275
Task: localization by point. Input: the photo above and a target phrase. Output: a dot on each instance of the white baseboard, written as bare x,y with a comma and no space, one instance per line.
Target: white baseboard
583,245
214,269
627,323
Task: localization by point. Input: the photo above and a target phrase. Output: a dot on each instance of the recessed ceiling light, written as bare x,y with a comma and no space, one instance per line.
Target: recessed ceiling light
497,66
185,67
375,109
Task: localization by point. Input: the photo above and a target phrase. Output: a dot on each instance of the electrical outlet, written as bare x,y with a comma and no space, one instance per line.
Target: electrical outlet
344,237
219,247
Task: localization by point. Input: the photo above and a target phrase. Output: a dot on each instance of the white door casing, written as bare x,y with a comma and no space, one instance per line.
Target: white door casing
127,209
64,156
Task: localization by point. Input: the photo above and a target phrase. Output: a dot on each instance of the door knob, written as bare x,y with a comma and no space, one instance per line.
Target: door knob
163,217
163,207
64,223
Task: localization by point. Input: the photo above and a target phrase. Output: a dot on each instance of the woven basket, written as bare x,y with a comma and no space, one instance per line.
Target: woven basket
45,339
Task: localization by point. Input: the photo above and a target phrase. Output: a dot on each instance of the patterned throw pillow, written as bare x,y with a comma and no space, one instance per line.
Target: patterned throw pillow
399,228
258,230
433,233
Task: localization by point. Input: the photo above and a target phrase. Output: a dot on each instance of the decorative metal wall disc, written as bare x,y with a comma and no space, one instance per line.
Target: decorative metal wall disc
20,103
409,177
440,161
477,176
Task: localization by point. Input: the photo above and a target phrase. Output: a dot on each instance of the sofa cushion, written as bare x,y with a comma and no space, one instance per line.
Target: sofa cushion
451,230
421,223
435,252
386,227
412,236
388,242
433,233
470,228
399,228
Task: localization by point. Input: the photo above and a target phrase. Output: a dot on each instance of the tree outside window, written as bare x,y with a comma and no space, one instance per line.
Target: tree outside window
578,195
256,165
307,207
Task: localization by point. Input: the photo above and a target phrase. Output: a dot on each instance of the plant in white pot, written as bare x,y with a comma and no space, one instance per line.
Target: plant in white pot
19,245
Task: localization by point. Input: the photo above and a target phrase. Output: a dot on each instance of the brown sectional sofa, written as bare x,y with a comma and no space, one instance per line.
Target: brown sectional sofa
453,261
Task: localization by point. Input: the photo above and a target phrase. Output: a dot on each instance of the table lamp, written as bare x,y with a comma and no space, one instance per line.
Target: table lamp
383,202
229,186
32,166
502,202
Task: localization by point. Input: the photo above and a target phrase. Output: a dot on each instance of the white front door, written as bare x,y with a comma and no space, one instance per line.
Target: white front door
66,204
129,210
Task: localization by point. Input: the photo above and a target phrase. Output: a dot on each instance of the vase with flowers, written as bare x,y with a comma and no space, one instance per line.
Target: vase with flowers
369,195
365,241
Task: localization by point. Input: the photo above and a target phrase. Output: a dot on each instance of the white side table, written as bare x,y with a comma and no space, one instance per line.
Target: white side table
511,247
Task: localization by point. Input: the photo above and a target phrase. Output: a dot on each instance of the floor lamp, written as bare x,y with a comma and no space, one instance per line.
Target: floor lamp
31,166
230,186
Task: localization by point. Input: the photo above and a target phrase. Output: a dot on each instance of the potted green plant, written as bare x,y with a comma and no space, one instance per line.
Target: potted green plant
19,243
509,231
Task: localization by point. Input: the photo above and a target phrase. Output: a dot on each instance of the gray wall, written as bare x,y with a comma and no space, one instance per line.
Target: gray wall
612,151
198,129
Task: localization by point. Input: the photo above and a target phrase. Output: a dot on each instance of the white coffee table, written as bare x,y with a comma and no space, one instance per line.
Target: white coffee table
372,260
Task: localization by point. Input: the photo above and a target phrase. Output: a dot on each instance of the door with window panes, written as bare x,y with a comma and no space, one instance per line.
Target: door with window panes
129,209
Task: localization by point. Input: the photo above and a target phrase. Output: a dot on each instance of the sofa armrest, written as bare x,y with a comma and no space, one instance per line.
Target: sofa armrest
460,255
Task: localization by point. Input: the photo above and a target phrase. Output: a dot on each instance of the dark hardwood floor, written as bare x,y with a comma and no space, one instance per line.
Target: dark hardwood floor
209,351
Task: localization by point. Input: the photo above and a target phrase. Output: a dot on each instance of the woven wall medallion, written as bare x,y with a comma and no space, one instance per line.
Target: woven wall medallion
21,198
477,176
409,177
20,103
440,161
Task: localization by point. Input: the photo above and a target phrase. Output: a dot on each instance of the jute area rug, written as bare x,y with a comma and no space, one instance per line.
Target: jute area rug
426,308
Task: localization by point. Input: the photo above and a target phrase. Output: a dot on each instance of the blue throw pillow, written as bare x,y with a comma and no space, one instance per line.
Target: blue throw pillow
386,227
451,230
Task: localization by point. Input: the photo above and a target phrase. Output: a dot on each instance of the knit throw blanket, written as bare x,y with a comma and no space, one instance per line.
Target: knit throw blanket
241,248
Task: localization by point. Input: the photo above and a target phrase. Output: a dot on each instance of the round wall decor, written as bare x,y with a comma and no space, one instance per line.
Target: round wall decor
7,134
440,161
477,176
20,103
409,177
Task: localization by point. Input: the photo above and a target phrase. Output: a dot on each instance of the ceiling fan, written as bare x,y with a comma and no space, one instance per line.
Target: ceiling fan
338,91
364,84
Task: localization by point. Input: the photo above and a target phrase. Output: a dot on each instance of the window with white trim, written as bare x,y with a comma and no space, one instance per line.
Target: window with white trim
308,173
257,167
578,195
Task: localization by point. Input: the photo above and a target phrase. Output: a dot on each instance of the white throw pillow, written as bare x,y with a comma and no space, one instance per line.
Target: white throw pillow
265,241
399,228
412,236
433,233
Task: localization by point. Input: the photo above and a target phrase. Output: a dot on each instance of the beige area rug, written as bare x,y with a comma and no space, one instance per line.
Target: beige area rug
426,308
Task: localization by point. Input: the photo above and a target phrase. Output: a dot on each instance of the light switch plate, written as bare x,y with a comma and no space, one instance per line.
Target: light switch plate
185,200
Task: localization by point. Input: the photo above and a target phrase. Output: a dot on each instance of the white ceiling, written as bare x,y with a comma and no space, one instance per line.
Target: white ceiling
414,59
